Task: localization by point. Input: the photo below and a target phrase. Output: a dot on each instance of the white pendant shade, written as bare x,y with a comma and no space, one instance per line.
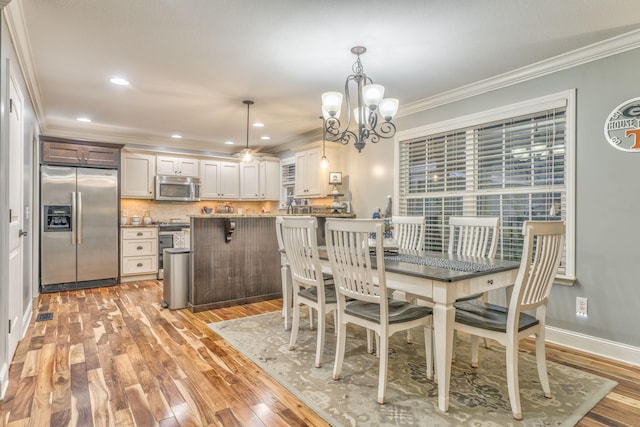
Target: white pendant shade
388,108
372,95
332,103
356,115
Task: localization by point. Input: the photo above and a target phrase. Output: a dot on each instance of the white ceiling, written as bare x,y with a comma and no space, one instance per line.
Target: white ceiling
192,62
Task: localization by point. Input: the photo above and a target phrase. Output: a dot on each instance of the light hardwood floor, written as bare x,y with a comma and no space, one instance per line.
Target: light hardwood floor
113,357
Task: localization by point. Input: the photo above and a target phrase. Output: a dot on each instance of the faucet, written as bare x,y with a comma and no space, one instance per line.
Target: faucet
290,204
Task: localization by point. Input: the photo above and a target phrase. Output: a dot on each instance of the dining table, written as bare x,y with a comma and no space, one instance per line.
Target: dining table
441,278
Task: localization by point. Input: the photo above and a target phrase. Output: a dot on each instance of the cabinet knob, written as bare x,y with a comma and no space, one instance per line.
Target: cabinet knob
139,233
139,248
139,264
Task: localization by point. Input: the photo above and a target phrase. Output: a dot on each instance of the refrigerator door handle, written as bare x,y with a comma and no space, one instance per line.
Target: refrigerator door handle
74,218
79,221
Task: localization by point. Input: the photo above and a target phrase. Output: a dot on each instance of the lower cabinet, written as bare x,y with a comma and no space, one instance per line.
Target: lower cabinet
139,252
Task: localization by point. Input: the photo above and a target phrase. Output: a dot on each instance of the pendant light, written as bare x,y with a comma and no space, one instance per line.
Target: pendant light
246,154
324,163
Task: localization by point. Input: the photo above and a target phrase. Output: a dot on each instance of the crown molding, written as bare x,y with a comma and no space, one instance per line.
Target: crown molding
594,52
14,17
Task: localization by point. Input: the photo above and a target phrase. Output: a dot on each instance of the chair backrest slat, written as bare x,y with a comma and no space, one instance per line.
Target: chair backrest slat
473,236
408,232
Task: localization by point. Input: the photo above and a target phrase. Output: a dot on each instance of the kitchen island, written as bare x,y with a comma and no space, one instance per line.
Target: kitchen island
235,259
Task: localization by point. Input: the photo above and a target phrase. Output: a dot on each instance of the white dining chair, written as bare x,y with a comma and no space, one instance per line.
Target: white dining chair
477,237
541,254
408,232
310,286
473,236
371,308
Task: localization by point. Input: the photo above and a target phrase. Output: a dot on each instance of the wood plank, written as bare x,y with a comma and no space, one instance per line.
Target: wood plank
99,396
139,406
80,398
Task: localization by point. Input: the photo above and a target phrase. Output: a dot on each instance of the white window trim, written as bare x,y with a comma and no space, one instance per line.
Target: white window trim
565,98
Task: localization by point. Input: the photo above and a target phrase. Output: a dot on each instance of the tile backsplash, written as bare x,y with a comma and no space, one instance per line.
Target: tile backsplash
165,211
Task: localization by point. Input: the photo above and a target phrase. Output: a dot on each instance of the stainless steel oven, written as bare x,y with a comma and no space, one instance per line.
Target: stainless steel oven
170,235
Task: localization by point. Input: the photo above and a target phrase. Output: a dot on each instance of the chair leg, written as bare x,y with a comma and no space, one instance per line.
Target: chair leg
320,336
541,361
377,345
340,347
383,353
370,348
296,323
428,351
474,351
311,318
287,292
512,379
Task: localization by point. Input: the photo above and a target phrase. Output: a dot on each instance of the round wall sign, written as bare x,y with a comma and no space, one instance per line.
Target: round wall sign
622,128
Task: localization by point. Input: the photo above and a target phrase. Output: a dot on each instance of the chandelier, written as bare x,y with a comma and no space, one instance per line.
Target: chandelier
372,113
246,154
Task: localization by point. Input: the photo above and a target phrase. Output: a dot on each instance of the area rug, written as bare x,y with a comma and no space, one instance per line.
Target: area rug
478,397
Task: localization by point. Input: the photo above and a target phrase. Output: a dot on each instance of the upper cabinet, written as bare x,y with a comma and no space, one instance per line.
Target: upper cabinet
138,171
260,179
270,179
311,179
219,179
82,153
177,166
250,180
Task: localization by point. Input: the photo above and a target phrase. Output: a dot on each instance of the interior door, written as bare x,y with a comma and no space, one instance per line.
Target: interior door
15,221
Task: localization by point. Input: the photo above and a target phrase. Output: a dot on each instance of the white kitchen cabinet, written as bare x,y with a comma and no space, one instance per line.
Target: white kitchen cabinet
219,180
250,180
311,179
139,253
269,180
177,166
137,175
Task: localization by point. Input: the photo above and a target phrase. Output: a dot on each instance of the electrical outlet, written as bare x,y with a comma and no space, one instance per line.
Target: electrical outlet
581,306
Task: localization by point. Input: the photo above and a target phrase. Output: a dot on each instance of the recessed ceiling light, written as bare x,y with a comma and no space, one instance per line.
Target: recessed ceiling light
229,142
84,119
265,137
119,81
176,136
258,125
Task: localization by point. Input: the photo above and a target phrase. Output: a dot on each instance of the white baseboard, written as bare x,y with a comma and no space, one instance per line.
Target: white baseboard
26,319
601,347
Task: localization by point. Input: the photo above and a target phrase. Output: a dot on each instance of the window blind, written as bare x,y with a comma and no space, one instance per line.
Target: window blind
511,168
288,174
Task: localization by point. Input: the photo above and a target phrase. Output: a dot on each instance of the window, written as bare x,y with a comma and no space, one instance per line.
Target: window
287,179
515,163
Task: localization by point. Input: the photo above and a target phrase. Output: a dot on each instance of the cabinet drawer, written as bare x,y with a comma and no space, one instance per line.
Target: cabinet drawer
139,265
139,247
139,233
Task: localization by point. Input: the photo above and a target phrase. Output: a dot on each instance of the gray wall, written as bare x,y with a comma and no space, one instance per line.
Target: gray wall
607,196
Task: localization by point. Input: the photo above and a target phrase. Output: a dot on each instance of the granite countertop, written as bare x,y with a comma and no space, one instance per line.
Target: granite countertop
138,226
270,215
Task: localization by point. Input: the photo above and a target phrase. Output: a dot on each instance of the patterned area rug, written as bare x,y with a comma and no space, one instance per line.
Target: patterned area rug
478,396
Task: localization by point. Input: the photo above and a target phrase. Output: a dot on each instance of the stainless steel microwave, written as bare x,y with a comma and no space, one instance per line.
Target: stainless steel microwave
177,188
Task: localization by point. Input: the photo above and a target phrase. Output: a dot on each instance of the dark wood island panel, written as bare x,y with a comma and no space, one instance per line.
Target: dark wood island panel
243,270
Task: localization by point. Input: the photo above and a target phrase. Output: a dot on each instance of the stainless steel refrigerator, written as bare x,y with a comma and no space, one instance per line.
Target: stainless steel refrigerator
79,227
